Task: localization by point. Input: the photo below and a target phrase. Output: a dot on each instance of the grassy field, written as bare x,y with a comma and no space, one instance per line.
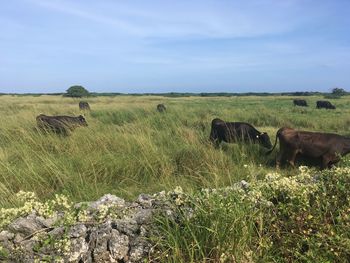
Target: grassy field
129,148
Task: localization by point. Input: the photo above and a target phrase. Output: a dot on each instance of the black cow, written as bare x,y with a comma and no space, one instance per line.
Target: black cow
83,105
298,102
161,108
326,146
60,124
237,131
324,104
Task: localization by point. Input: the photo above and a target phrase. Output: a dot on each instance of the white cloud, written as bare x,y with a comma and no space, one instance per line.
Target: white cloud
215,19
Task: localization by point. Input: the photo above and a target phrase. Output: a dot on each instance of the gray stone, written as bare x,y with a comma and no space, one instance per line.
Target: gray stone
49,222
108,199
78,249
143,231
57,232
99,242
100,251
18,238
145,200
137,253
26,225
77,231
126,226
6,235
143,216
118,245
28,245
112,240
244,185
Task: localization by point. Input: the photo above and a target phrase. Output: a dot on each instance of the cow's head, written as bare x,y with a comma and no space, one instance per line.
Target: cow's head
82,120
264,140
215,126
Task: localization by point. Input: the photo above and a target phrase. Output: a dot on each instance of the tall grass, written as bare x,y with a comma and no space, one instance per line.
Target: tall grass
129,147
217,232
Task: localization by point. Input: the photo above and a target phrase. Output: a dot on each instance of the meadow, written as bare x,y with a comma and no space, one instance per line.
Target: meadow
129,148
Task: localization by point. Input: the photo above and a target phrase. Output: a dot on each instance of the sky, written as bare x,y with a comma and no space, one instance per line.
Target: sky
138,46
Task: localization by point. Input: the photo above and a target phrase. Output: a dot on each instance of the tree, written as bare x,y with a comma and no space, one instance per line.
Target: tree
338,92
77,92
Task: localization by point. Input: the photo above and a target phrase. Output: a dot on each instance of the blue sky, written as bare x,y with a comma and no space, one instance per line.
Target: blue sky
167,45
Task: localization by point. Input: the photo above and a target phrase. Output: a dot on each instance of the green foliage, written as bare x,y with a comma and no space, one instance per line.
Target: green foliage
28,202
129,149
302,218
4,254
77,92
338,92
119,117
220,230
315,228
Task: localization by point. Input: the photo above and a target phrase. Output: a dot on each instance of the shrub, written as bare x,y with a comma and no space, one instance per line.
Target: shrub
77,92
302,218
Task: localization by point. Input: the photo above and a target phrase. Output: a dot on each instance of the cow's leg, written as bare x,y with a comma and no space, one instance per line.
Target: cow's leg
328,160
217,143
278,162
325,162
280,158
291,159
334,161
286,156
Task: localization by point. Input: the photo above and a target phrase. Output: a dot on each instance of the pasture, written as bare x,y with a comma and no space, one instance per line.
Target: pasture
129,148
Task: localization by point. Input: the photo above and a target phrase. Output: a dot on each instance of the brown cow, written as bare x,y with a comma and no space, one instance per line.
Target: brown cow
327,146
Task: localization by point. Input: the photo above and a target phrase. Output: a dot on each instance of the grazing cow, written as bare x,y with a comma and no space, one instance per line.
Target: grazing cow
237,131
298,102
161,108
83,105
324,104
60,124
325,146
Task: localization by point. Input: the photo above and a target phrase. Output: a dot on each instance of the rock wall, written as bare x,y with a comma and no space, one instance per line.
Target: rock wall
108,230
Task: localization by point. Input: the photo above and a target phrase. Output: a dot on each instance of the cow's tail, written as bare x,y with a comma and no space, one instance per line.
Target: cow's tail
277,135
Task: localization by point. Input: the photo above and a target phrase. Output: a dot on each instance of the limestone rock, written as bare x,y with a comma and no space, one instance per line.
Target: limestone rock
6,235
118,245
26,225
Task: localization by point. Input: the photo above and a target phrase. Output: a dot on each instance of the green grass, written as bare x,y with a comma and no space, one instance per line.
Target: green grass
129,147
275,219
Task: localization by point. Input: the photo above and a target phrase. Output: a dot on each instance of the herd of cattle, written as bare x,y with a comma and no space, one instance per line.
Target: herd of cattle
325,104
328,148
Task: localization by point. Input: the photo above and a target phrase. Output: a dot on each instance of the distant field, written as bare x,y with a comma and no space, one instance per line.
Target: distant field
130,148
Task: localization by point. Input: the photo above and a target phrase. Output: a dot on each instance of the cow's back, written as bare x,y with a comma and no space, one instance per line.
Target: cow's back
299,102
161,108
312,144
324,104
240,131
83,105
